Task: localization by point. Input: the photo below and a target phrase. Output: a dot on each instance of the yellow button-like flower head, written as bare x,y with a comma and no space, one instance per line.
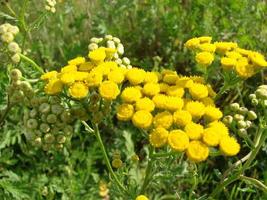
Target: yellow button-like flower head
178,140
197,151
142,119
109,90
125,112
158,137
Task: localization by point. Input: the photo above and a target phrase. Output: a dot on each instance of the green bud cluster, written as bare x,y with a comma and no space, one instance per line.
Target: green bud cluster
19,91
241,118
114,43
48,124
260,96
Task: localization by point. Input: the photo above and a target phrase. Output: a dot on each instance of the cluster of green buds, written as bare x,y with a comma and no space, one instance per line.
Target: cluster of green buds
116,159
114,43
7,34
18,90
48,124
241,118
260,96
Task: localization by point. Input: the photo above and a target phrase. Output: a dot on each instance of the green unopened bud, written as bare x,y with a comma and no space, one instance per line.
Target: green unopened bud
51,118
241,124
66,117
45,128
265,103
126,61
17,97
263,87
118,61
46,147
38,133
116,55
14,47
59,146
15,74
68,130
228,119
16,84
252,96
261,93
33,113
43,117
92,46
25,86
238,117
242,132
120,49
55,100
32,124
37,141
57,109
252,115
7,37
15,58
108,37
35,102
117,163
254,102
43,100
49,138
61,139
248,124
234,107
117,40
44,108
243,110
111,44
60,125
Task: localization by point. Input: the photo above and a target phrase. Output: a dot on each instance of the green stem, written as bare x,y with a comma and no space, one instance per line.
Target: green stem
148,171
32,63
106,159
160,155
254,182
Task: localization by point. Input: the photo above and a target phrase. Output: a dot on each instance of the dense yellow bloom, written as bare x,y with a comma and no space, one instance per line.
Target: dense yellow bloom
158,137
77,61
49,75
170,78
233,54
78,90
229,146
94,78
175,91
87,66
116,76
142,119
163,119
204,58
178,140
228,63
225,46
205,39
145,104
125,112
151,89
212,113
182,117
184,82
151,77
258,59
97,55
141,197
79,76
244,69
136,76
195,108
211,137
69,68
192,43
194,131
160,100
54,86
197,151
207,47
109,90
163,87
67,78
198,91
131,94
220,127
243,52
207,101
173,103
106,67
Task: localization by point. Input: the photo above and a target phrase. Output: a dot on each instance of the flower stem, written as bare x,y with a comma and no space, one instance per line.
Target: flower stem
255,182
106,159
32,63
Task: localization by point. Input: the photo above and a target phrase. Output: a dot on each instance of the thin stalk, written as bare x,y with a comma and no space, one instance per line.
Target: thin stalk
32,63
160,155
254,182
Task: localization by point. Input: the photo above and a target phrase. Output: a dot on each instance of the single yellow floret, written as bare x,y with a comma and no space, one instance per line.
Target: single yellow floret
257,59
219,127
78,90
211,137
131,94
87,66
145,104
158,137
197,151
244,69
136,76
178,140
163,119
182,117
195,108
207,47
94,78
229,146
151,77
54,86
109,90
97,55
67,78
175,91
170,78
198,91
192,43
185,82
141,197
160,100
77,61
116,76
194,131
228,63
125,112
142,119
151,89
173,103
163,87
205,39
49,75
225,46
212,113
69,68
204,58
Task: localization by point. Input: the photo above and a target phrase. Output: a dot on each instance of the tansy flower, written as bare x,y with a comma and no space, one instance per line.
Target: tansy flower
207,47
79,76
195,108
145,104
228,63
204,58
207,101
197,79
54,86
184,82
192,43
131,94
174,103
205,39
198,91
141,197
175,91
125,112
94,79
97,55
158,137
197,151
117,163
67,78
76,61
78,90
182,117
212,93
163,87
109,90
257,59
220,127
225,46
178,140
136,76
49,75
170,78
244,69
151,77
229,146
233,54
243,52
116,76
194,131
151,89
160,100
69,68
213,113
211,137
142,119
163,119
87,66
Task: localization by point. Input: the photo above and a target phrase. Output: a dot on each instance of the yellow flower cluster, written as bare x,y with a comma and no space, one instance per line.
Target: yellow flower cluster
100,73
176,110
244,62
